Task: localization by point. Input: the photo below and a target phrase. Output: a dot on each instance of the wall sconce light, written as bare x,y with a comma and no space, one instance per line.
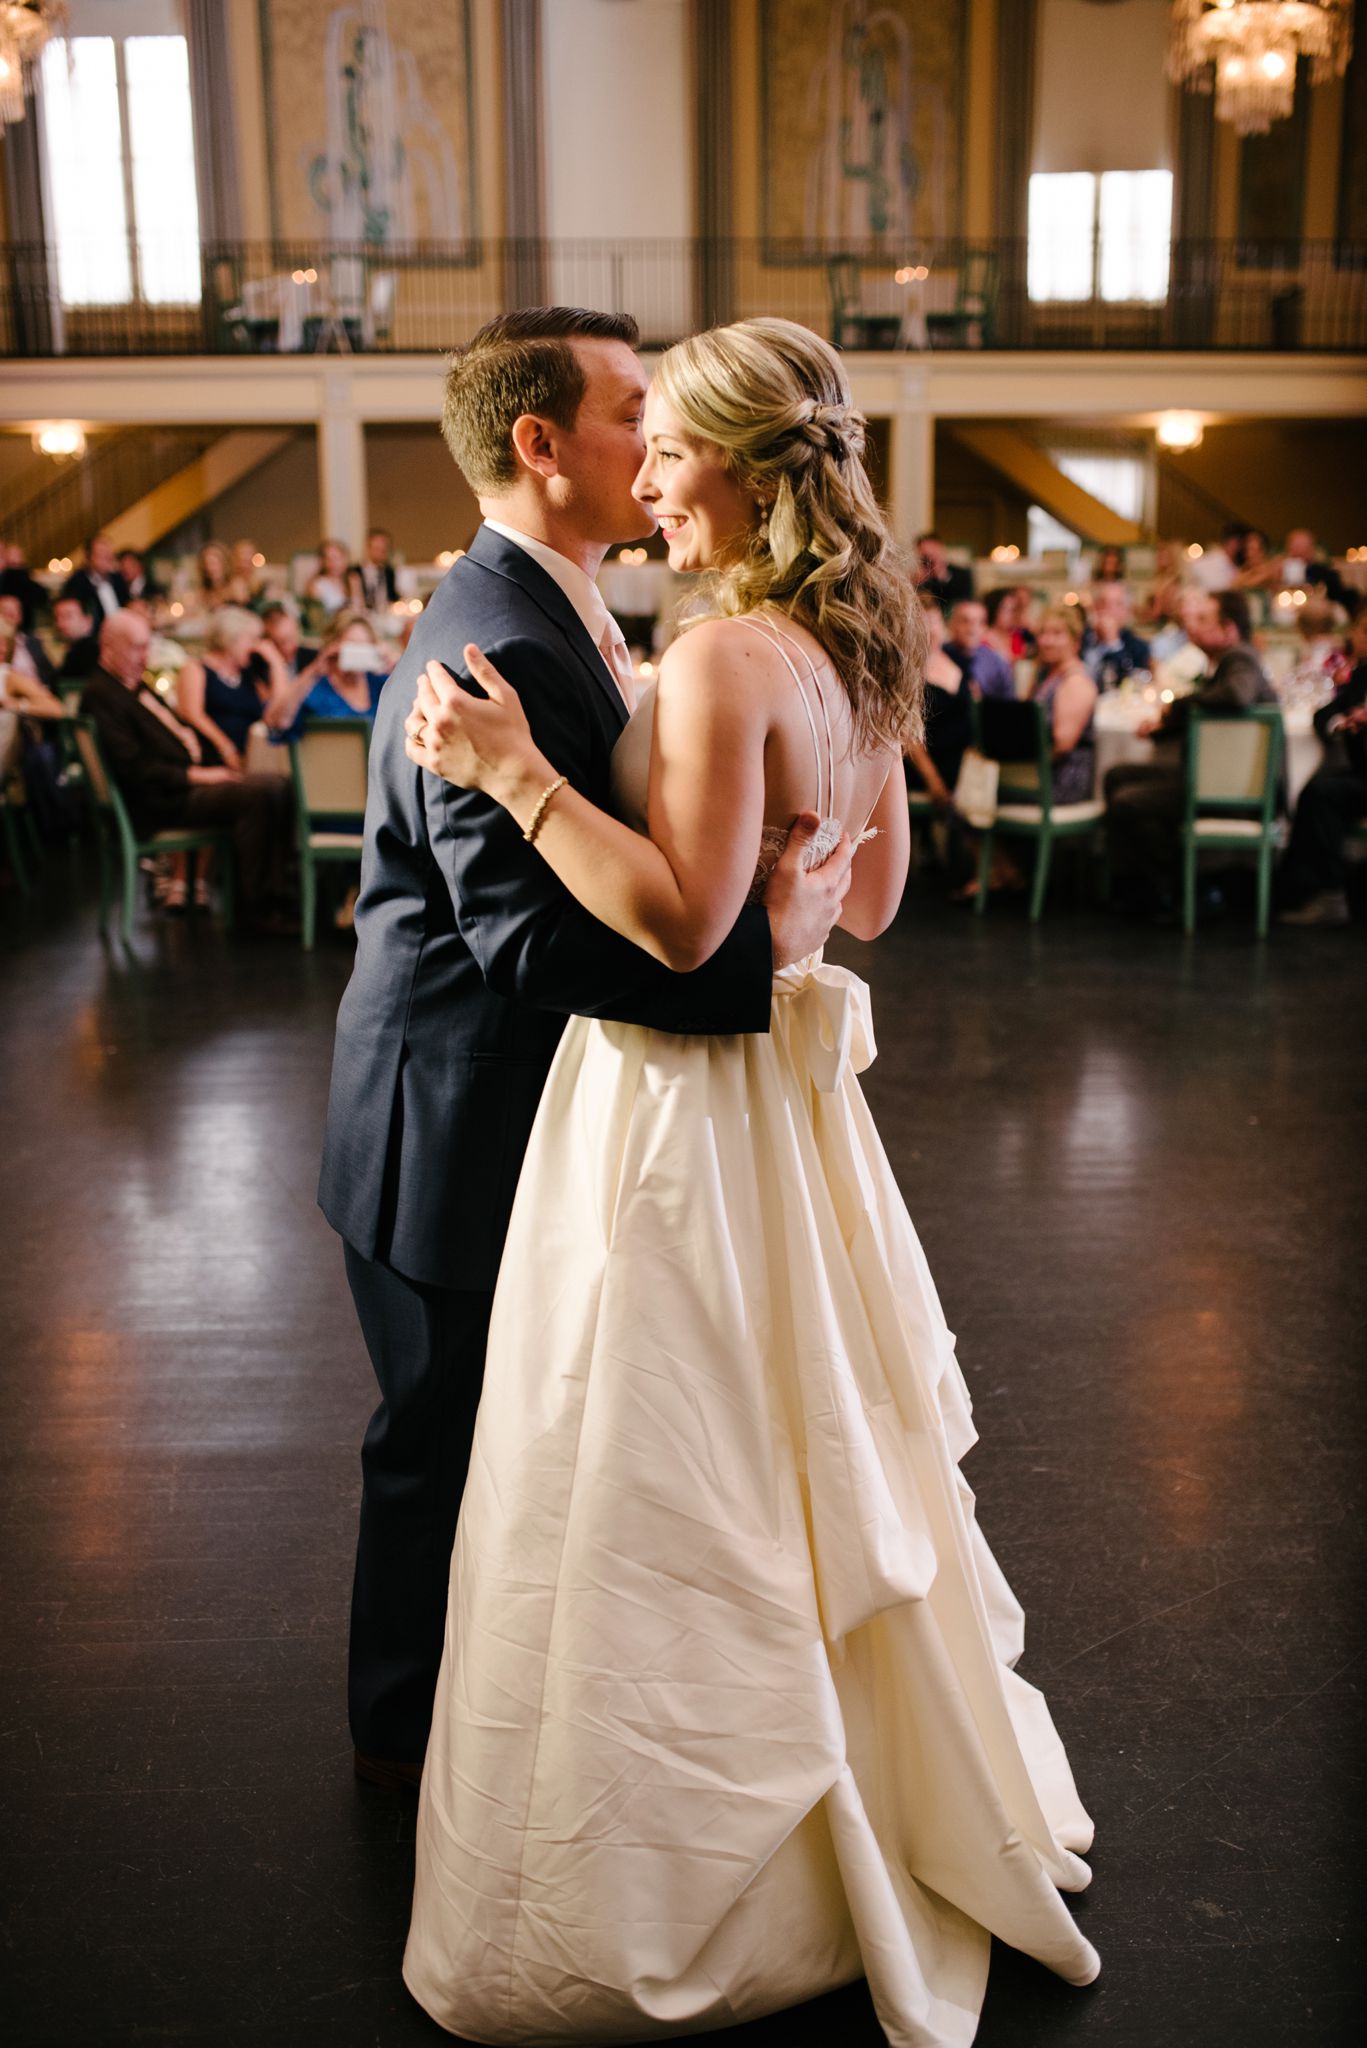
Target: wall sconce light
1179,431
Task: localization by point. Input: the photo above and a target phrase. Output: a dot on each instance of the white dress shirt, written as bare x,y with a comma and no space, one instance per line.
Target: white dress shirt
587,599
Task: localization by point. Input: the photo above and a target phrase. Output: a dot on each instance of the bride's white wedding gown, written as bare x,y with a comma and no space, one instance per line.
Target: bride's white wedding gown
727,1715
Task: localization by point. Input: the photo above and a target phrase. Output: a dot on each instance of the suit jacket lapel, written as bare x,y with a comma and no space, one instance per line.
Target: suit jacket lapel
505,558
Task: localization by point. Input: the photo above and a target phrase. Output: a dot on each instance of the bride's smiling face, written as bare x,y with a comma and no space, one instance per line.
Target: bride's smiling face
702,511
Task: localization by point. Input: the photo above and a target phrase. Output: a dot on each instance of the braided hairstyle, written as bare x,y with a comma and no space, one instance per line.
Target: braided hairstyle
773,397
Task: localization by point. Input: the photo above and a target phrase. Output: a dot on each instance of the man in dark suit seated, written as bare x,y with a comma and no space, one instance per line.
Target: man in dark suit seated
76,629
157,762
1311,884
1111,649
1146,801
98,584
376,572
16,581
141,588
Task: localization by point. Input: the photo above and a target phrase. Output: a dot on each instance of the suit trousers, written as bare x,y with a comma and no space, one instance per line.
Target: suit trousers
1330,804
427,1347
1144,808
259,812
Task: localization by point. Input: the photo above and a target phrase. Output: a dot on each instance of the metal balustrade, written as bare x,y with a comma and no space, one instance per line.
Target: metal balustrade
294,297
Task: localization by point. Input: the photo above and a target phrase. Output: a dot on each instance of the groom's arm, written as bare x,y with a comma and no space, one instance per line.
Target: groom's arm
530,938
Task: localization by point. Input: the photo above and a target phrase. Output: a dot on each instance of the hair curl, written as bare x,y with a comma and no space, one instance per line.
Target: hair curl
773,397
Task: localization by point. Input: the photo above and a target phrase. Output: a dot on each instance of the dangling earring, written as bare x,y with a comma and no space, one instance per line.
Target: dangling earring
763,528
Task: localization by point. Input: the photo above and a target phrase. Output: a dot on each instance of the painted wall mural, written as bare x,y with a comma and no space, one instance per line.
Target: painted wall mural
862,120
371,121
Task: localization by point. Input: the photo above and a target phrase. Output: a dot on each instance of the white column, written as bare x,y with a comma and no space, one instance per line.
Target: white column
619,142
343,497
911,485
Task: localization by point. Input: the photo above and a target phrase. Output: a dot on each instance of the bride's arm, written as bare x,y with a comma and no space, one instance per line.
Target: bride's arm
677,894
880,864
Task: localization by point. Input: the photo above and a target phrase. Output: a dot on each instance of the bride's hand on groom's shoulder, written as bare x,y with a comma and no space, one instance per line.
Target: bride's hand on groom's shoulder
480,743
804,904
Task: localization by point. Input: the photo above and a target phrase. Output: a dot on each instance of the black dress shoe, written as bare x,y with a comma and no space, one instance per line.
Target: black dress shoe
389,1775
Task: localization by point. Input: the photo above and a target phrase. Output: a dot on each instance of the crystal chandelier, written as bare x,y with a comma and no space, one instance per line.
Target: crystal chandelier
25,26
1252,47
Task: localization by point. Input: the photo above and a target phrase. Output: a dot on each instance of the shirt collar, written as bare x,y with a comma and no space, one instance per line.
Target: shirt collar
581,590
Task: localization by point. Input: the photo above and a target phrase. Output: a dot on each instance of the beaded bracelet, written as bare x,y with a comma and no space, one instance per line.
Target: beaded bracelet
543,805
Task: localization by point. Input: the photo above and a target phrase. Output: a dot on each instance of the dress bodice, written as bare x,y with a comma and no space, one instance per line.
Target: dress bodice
631,766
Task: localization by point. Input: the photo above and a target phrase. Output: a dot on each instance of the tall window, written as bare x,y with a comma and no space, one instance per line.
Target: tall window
1102,237
121,170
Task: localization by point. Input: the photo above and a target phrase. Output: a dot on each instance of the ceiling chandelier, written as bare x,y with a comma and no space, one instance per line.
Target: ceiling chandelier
25,26
1252,46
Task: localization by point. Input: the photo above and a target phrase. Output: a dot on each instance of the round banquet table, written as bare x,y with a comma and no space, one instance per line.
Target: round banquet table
1117,739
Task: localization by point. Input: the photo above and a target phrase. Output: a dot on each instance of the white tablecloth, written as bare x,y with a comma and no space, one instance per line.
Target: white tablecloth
1117,740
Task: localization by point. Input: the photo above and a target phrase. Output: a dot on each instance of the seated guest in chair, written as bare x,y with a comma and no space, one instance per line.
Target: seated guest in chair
344,680
1311,884
1305,563
16,581
946,581
1111,648
76,629
933,763
98,584
1066,688
988,674
26,651
140,586
158,762
1146,801
25,693
379,584
231,689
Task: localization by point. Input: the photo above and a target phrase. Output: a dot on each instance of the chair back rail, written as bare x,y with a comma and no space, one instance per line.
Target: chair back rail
1234,761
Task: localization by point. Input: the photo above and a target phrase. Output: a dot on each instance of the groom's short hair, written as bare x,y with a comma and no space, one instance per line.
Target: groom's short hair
520,363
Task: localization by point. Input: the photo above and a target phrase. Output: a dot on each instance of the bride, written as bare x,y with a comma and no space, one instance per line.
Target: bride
728,1715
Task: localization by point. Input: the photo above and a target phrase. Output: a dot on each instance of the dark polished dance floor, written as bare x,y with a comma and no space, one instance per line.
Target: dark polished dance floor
1138,1168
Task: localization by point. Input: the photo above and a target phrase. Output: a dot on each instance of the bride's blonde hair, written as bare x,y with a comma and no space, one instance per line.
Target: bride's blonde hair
773,397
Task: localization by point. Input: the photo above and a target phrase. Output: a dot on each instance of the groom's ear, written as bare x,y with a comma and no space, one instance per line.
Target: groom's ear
533,444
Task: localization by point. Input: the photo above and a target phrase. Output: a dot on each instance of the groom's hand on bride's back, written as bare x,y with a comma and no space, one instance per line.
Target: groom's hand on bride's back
804,904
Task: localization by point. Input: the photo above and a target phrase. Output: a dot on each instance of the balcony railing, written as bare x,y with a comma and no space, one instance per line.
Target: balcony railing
293,297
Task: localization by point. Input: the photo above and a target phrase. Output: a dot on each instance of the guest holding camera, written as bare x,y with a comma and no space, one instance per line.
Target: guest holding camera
344,680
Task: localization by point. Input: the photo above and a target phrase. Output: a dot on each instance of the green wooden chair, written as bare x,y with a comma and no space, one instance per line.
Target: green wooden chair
328,762
1018,736
975,305
1234,770
112,823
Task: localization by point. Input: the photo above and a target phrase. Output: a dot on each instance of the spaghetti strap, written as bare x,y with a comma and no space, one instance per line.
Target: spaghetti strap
774,641
815,675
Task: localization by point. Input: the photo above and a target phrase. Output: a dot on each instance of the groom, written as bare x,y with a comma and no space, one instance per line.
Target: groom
470,956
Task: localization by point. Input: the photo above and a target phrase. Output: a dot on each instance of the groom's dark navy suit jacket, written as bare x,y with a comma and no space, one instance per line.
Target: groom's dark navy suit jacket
470,954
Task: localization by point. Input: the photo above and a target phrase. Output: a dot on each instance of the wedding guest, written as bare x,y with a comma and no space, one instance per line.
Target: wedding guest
1170,579
947,581
933,763
1006,632
1259,568
379,584
229,691
280,626
246,583
76,630
98,584
988,674
334,685
1109,566
39,713
1145,800
1068,691
214,568
1321,663
140,586
17,581
1218,568
1303,563
333,587
1111,648
1311,882
158,762
1023,628
27,653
